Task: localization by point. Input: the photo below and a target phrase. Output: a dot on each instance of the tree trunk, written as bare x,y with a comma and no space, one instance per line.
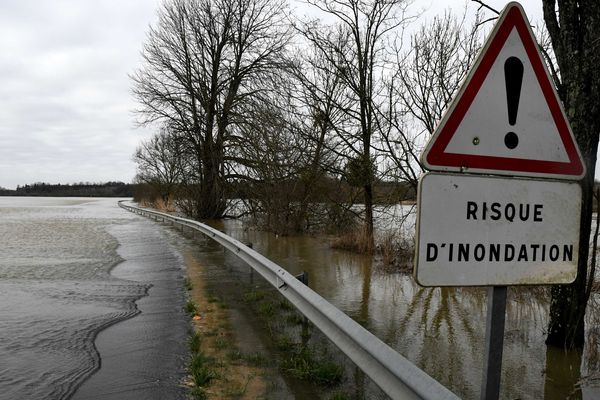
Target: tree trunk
370,244
575,35
211,202
569,302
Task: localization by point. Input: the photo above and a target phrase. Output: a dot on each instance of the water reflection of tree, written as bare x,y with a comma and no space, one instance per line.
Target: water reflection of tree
442,330
367,269
440,322
589,377
563,371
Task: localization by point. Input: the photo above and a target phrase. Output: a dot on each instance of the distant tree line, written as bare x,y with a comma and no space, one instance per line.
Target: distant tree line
108,189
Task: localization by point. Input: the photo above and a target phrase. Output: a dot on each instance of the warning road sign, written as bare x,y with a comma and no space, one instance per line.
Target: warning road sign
496,231
507,118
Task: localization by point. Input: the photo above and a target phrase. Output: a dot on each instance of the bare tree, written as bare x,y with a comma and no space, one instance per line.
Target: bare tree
204,60
574,29
159,164
355,49
271,163
426,78
430,74
284,155
319,96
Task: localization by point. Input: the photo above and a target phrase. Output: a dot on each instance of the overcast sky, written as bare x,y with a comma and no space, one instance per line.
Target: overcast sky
65,96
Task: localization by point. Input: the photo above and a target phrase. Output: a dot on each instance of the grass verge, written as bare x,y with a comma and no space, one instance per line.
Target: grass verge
217,369
291,333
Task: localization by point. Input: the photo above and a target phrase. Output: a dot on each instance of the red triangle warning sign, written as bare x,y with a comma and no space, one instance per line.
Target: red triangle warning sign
507,118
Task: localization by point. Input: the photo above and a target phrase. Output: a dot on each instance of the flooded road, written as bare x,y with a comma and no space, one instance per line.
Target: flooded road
58,292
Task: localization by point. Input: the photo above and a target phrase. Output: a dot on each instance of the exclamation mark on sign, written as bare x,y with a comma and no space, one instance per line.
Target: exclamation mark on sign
513,77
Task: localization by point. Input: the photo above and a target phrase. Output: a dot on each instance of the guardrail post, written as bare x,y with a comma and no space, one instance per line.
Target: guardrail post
305,335
249,244
303,277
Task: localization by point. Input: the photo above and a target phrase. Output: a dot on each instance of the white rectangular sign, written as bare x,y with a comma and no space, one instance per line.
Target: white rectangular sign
492,231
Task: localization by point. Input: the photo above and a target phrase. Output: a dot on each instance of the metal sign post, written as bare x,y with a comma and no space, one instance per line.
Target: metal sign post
494,341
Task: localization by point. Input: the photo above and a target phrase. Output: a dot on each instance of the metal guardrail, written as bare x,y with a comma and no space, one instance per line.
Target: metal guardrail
394,374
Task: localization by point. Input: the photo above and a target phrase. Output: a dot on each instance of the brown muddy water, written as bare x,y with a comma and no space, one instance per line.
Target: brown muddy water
439,329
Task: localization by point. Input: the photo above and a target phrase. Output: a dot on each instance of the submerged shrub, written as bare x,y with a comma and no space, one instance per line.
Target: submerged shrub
304,364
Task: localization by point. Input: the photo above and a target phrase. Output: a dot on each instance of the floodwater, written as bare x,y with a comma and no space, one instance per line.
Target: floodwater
441,330
72,268
59,293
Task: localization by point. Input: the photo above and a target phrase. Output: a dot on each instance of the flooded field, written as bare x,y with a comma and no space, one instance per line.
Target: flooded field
441,329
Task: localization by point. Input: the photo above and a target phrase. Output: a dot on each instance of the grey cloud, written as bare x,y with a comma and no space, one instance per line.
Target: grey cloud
65,102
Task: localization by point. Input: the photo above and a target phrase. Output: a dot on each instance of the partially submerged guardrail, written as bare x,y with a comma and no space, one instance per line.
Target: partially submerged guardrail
394,374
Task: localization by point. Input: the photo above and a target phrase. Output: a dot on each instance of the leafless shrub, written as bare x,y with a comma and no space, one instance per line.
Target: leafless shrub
396,251
356,240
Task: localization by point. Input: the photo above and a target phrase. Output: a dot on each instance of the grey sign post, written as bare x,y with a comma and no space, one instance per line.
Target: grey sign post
494,342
